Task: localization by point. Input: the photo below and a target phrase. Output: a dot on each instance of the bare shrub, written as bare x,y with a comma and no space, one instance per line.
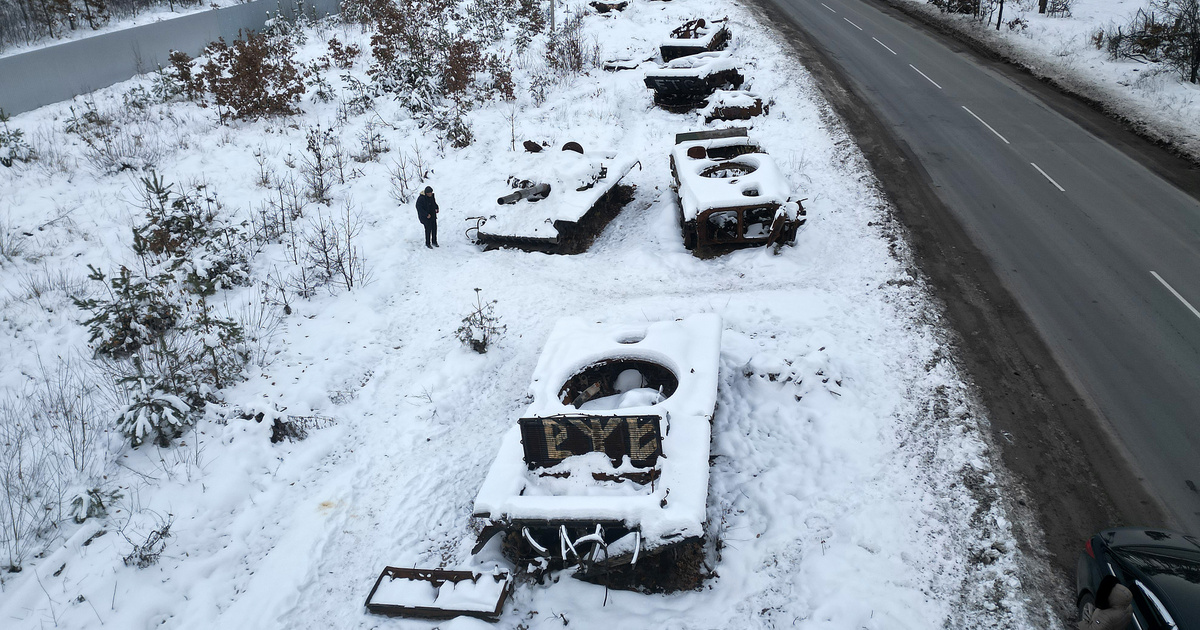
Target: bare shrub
323,163
404,178
31,482
568,52
254,77
124,150
1059,8
260,316
110,147
332,251
1169,34
12,241
371,143
481,327
64,401
147,552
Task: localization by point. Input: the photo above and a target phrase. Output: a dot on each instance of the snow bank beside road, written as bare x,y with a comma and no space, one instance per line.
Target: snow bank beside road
851,485
1151,98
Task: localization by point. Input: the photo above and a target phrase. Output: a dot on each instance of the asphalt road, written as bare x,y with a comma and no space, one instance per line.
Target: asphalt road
1101,253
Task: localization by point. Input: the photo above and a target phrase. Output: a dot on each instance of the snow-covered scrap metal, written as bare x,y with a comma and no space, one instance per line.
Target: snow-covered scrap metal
683,84
695,36
562,494
731,193
556,200
439,593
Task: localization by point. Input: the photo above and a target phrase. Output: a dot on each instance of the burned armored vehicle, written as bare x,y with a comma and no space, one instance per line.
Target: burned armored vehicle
556,201
694,37
731,193
607,470
685,83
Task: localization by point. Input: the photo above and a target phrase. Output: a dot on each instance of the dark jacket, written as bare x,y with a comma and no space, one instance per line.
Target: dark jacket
426,208
1115,617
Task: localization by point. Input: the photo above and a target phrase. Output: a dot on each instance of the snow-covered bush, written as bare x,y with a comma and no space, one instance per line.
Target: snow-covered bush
92,503
135,311
254,77
567,51
177,79
1059,8
1169,33
451,120
117,140
957,6
323,164
481,327
13,147
154,415
343,55
428,53
188,235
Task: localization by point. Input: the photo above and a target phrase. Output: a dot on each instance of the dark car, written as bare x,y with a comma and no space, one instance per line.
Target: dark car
1161,569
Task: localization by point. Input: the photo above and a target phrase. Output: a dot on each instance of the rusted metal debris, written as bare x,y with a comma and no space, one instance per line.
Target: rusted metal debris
617,65
605,7
439,600
693,37
685,83
733,105
731,192
526,190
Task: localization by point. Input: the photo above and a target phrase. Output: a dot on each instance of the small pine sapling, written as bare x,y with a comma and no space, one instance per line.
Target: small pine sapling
481,327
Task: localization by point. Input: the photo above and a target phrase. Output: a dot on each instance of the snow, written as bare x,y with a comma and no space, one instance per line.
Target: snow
702,65
850,486
566,172
637,397
398,591
1154,99
479,596
690,348
731,98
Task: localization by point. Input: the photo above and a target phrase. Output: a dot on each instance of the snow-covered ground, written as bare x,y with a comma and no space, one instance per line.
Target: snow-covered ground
851,482
1151,97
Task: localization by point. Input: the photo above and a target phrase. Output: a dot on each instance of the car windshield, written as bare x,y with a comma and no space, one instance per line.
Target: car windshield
1174,573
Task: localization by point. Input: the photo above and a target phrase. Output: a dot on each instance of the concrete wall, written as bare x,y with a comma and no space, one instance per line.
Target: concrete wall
58,72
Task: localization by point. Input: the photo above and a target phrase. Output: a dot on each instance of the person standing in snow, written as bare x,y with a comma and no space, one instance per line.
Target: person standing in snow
427,211
1113,609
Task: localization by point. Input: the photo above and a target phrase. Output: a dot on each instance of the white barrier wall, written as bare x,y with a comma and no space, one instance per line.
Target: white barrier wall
60,71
